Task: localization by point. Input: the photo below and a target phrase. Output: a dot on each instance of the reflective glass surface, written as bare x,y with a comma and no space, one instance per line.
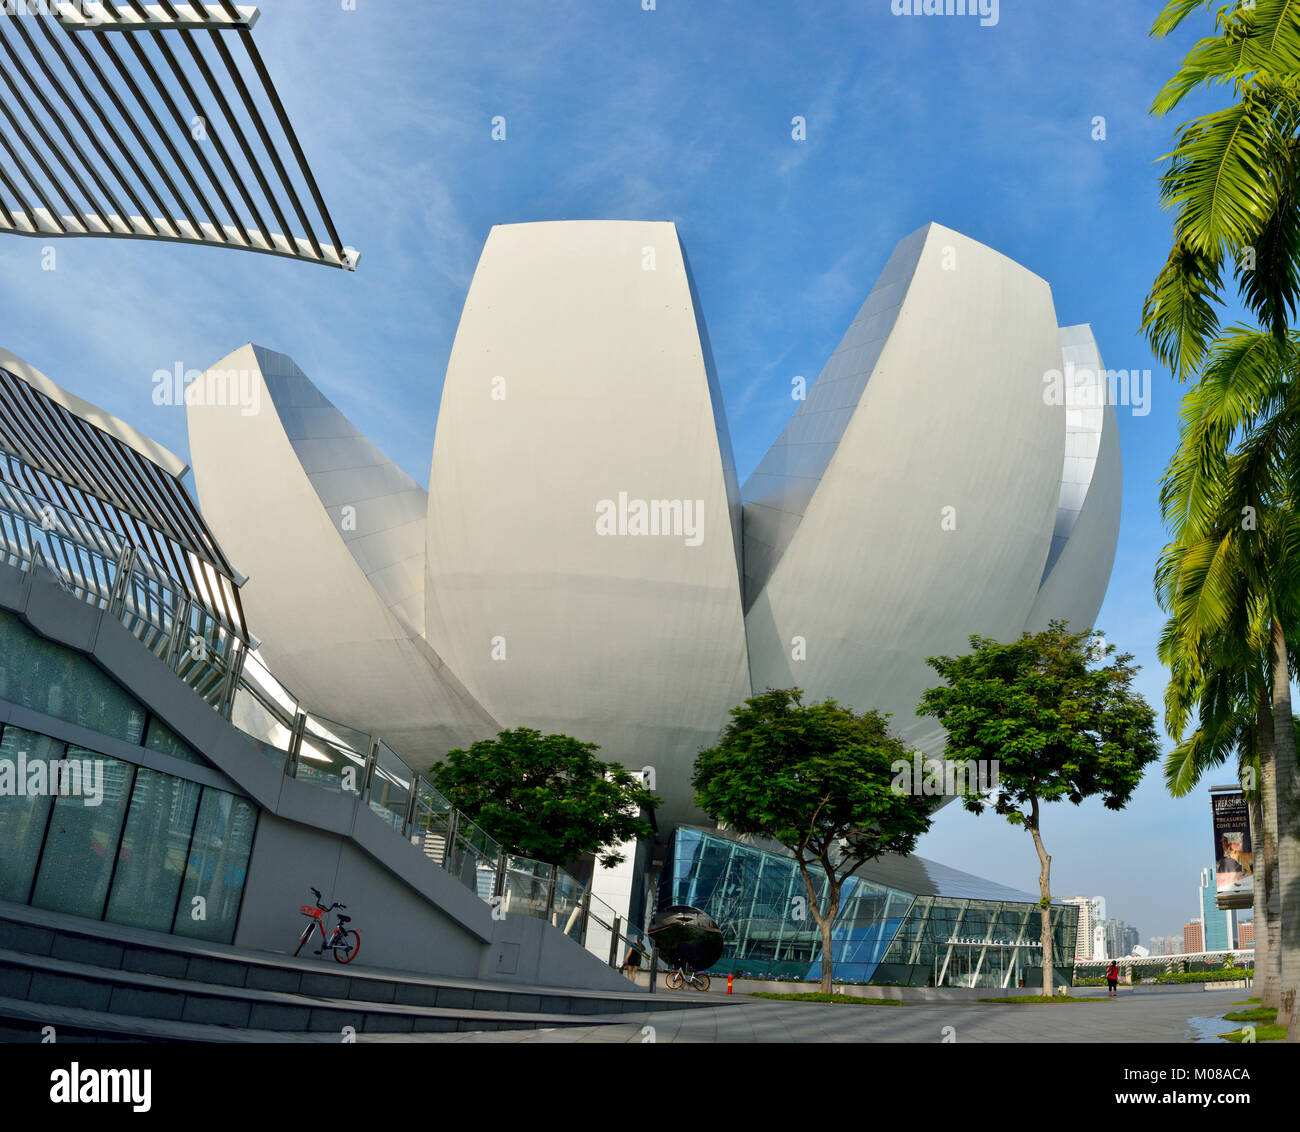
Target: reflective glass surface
151,857
55,681
81,845
216,867
882,934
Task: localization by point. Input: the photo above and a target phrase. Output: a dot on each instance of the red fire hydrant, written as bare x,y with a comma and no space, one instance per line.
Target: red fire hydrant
730,976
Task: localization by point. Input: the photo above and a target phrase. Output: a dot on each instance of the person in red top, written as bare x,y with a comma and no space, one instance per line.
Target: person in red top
1112,979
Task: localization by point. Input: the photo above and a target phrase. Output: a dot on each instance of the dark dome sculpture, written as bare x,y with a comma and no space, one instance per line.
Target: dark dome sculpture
687,936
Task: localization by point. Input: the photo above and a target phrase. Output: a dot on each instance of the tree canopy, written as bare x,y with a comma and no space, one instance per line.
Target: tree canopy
818,779
1059,725
546,796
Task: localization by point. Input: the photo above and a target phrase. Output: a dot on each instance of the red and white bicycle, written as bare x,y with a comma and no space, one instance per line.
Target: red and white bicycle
343,941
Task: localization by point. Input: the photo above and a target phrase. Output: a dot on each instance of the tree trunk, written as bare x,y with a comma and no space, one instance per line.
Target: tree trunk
826,923
1260,902
1268,922
1045,904
1288,837
828,980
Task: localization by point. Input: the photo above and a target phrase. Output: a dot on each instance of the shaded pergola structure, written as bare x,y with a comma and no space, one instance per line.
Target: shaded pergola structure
1163,964
152,121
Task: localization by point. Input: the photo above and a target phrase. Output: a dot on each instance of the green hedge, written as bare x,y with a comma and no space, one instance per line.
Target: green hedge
1227,975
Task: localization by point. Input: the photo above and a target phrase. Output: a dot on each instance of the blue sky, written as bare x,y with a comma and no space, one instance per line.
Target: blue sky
684,113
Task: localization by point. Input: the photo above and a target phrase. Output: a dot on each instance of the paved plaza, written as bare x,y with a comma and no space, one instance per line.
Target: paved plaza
1163,1016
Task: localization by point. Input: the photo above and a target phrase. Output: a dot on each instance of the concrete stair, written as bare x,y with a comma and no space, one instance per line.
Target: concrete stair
103,982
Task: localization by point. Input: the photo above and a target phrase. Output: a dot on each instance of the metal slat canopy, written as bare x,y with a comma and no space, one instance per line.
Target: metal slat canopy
99,470
152,121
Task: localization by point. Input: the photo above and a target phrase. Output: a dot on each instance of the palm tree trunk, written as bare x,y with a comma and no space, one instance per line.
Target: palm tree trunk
1260,903
1288,837
1268,912
1045,903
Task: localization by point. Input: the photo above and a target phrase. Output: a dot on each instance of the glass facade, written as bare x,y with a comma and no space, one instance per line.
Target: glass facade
101,837
883,933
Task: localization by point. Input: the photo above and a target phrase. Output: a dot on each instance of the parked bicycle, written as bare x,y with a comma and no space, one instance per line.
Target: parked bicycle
683,975
344,942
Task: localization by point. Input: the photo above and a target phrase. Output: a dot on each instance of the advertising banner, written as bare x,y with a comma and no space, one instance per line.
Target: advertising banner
1234,862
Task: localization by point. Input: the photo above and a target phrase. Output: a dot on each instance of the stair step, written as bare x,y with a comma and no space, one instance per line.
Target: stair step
117,950
23,1021
41,979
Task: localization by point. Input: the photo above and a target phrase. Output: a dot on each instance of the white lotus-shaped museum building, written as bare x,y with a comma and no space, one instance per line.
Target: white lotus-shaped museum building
585,559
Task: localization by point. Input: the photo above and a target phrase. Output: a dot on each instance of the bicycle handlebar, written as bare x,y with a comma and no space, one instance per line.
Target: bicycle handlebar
316,892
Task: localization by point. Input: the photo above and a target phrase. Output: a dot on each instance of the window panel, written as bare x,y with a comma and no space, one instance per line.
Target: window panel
163,739
154,850
216,868
23,814
82,842
48,678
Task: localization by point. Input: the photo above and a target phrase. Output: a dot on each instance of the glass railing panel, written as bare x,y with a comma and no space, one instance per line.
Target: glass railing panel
332,755
330,766
527,886
337,734
483,843
258,677
430,821
271,733
390,786
566,913
475,870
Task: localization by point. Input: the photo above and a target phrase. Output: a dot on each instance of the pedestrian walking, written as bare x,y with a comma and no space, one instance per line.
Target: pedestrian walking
1112,979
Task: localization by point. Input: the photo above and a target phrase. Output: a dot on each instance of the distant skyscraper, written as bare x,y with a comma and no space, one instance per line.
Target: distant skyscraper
1193,937
1117,939
1246,933
1092,911
1220,925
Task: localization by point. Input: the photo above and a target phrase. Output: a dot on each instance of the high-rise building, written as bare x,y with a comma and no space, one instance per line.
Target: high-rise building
1246,933
1092,911
1116,939
1193,937
1220,924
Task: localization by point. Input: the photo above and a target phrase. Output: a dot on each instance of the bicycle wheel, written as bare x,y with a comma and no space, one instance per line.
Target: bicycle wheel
701,982
674,980
302,939
348,945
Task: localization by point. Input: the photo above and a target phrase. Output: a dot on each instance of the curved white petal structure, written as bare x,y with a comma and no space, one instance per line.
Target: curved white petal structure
922,477
580,384
331,535
582,562
1087,519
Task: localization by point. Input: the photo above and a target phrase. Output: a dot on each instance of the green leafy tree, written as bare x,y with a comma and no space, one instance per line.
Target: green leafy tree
817,778
546,796
1232,179
1055,722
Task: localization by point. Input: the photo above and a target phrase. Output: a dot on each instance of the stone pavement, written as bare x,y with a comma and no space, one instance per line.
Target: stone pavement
1165,1016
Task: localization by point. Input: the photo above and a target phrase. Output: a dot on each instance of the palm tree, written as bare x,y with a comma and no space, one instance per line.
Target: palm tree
1232,571
1232,179
1227,684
